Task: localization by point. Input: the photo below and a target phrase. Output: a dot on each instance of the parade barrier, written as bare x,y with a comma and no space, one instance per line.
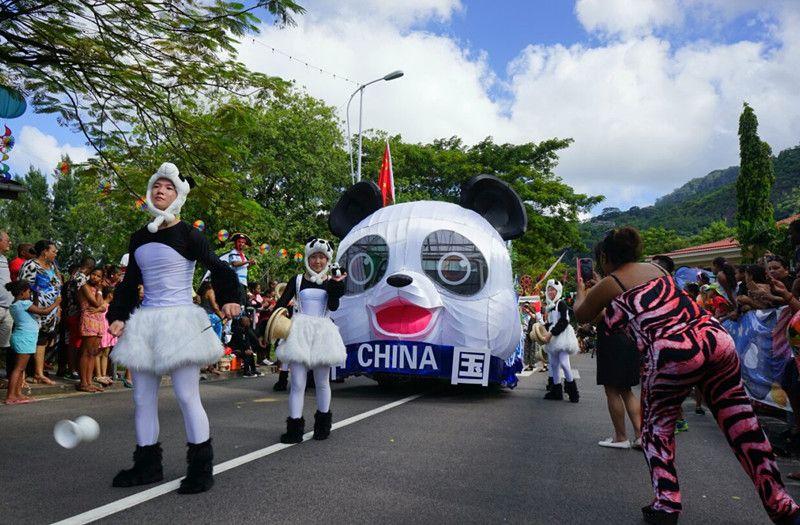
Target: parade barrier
764,352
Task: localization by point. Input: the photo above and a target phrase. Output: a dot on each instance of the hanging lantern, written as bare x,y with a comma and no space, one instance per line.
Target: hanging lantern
12,103
264,248
284,253
141,204
199,225
298,256
223,235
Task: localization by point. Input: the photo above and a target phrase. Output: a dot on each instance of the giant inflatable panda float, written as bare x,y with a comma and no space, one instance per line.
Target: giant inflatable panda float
429,288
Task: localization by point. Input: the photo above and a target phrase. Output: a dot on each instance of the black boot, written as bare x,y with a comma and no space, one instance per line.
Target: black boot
200,468
555,393
295,428
659,517
283,382
571,388
146,468
322,425
549,384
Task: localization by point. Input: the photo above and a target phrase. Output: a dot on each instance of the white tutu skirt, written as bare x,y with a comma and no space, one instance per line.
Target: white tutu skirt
566,341
312,341
161,339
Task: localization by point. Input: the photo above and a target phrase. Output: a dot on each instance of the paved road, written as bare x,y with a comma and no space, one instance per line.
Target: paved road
452,455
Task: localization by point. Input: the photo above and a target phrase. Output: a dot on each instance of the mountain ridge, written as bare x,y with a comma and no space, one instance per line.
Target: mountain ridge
703,200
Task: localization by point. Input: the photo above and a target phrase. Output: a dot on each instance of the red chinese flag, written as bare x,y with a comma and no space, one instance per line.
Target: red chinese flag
386,178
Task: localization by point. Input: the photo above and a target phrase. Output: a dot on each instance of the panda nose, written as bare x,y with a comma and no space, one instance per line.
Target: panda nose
399,280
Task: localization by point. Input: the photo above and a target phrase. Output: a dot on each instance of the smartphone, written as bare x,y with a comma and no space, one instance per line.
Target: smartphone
586,269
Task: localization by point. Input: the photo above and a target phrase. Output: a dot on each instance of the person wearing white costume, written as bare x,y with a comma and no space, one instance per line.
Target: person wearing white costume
314,342
561,342
168,333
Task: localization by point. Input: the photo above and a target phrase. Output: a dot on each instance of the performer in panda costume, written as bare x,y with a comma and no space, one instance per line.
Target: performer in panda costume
561,343
314,342
168,334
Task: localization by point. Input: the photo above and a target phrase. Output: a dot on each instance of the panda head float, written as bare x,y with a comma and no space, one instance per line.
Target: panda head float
430,271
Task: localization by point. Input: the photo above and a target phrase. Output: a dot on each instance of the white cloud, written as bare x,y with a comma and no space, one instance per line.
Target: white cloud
40,150
646,115
627,16
403,13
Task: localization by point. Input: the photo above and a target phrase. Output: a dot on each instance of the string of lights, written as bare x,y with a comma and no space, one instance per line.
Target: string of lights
304,62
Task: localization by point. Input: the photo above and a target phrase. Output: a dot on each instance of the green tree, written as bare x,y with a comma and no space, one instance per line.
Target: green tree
716,231
659,240
278,166
755,220
29,218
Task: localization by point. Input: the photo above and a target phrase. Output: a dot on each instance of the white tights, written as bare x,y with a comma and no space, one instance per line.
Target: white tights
297,390
559,361
186,384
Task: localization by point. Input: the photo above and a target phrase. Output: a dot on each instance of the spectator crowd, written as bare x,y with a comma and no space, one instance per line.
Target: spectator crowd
53,323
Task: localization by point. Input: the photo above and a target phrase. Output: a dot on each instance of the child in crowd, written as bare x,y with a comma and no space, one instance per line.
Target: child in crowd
245,344
716,304
107,341
93,311
23,337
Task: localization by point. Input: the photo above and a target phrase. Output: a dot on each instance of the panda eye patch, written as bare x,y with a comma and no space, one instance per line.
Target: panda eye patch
365,262
454,263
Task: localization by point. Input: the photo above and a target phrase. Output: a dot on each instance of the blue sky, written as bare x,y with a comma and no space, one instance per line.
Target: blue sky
649,89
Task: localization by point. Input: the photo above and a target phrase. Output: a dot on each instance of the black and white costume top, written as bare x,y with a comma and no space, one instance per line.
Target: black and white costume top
558,318
312,299
164,263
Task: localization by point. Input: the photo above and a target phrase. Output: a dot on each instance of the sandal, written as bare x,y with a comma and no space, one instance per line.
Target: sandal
19,401
89,388
102,380
610,443
794,475
43,380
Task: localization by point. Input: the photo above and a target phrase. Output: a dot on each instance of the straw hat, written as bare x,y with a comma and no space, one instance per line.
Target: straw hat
279,325
538,333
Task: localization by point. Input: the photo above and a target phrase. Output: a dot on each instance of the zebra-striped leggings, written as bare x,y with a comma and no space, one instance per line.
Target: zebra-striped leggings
666,381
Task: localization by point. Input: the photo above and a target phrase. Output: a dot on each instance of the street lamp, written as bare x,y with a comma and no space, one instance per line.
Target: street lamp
389,76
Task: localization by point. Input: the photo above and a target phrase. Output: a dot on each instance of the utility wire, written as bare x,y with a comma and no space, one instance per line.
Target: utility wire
304,62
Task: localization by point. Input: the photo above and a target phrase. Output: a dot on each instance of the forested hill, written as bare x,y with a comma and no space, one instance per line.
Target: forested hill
701,201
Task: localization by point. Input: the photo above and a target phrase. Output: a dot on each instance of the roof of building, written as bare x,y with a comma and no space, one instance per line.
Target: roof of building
727,243
788,220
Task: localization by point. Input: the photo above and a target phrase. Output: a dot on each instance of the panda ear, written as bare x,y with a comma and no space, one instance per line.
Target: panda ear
359,202
496,202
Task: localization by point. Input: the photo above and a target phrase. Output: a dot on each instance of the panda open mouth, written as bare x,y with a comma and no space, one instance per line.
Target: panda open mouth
400,317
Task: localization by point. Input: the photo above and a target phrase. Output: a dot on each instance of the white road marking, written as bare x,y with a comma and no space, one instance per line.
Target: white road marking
165,488
527,373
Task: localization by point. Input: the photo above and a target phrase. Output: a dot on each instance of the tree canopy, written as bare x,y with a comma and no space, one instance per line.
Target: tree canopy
104,67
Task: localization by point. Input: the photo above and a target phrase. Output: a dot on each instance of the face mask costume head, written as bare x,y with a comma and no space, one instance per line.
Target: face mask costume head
322,246
558,287
430,272
182,186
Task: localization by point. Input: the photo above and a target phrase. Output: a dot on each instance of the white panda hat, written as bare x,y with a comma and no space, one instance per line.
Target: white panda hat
182,185
558,287
313,246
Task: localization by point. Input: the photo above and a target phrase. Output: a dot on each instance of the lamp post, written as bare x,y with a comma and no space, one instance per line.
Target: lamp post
356,177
